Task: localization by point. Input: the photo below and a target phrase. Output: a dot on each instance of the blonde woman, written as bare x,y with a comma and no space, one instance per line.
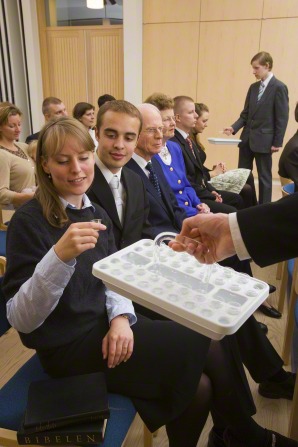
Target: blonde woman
17,178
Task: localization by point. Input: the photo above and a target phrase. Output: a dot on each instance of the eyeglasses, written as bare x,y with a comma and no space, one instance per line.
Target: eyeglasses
168,119
154,130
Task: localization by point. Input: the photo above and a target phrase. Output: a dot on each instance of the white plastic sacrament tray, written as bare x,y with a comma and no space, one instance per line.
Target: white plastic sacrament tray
173,287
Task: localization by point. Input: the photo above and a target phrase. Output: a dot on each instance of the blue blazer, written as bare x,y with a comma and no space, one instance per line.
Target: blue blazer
164,212
175,174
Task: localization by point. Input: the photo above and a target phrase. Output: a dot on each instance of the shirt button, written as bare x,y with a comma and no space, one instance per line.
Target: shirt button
171,169
186,203
180,192
179,181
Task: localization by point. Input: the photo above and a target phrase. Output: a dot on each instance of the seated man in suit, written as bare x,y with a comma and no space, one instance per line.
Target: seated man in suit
288,162
51,108
118,190
218,201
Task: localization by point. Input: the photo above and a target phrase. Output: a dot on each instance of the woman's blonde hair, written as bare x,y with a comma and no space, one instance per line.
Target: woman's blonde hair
51,140
6,111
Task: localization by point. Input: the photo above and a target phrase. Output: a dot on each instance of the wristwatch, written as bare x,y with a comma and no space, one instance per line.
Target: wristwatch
124,316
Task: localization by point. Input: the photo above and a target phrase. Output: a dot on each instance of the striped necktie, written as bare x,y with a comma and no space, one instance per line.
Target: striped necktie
191,146
153,177
261,90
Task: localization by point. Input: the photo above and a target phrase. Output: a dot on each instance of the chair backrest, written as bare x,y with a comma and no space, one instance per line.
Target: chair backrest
4,324
288,189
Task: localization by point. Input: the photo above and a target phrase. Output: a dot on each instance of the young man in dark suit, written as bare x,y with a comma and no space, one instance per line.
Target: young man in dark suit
264,120
117,130
218,201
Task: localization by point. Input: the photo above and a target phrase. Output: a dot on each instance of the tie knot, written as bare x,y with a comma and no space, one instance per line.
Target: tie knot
114,183
149,166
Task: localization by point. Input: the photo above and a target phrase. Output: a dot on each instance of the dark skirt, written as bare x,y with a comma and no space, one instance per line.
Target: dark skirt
161,377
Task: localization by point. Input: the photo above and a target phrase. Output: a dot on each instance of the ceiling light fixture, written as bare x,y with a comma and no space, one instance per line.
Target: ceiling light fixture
95,4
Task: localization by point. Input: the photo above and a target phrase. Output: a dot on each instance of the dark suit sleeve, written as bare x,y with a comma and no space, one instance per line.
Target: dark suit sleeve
269,231
281,112
242,120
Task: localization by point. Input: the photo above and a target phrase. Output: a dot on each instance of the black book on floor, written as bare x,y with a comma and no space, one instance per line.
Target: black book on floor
91,433
54,403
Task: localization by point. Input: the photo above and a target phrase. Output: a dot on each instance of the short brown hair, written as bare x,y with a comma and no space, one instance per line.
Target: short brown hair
81,108
51,140
47,102
118,106
6,112
179,100
263,58
161,101
200,108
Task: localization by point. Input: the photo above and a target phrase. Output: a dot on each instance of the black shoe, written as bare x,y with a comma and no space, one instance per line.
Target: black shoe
270,311
263,327
215,439
272,288
279,390
273,440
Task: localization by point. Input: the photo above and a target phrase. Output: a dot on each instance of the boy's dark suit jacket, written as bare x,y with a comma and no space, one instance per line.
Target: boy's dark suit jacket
198,179
264,121
288,162
270,231
164,214
135,225
194,168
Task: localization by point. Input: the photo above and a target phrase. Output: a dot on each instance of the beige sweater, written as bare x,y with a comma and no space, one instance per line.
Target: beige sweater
16,173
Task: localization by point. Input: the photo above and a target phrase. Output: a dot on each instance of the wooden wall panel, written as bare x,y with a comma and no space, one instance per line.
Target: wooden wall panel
278,8
279,37
170,56
231,9
167,11
224,75
105,63
67,66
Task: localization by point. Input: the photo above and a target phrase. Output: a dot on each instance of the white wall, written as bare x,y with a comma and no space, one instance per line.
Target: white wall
133,52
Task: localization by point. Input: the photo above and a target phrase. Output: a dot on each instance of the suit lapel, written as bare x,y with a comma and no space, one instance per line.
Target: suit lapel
148,185
105,197
265,95
187,151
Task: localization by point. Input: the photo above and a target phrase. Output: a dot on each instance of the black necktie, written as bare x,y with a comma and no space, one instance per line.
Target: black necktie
153,177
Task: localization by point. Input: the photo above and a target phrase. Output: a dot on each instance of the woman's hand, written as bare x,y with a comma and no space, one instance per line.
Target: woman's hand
117,345
79,237
218,197
203,208
219,168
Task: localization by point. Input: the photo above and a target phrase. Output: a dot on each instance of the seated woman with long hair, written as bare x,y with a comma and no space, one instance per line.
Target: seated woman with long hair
247,192
174,376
